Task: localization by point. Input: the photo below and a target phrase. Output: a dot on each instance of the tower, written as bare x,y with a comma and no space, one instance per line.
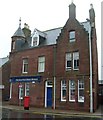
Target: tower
18,38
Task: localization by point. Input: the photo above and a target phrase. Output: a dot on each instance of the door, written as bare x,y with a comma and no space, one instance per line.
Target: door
49,96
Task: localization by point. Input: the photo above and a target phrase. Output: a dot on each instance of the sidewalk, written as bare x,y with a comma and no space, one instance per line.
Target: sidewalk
49,111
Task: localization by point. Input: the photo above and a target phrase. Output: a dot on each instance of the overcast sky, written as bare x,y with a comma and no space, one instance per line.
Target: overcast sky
43,15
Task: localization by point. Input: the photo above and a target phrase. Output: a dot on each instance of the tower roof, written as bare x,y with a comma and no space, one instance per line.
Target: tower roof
19,32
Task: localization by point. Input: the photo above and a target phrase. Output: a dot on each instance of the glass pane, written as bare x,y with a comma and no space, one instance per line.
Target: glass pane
69,63
72,35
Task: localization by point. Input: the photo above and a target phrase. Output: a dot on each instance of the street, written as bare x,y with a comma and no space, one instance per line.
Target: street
8,113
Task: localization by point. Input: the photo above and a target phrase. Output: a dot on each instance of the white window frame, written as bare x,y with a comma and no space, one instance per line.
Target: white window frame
41,64
75,57
72,36
82,88
70,89
68,58
10,90
21,90
25,63
63,87
27,88
35,35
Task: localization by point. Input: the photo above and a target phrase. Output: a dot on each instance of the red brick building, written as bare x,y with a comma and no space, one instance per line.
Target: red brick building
56,68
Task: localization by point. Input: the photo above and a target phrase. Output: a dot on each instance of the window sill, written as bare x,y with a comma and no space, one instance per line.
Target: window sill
63,100
24,72
71,100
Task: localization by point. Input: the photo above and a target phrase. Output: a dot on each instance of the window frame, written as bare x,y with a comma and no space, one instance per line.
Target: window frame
21,92
23,66
63,87
79,100
75,58
72,36
27,85
41,69
70,88
68,58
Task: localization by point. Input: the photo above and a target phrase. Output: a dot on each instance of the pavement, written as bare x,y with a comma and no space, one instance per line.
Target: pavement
49,111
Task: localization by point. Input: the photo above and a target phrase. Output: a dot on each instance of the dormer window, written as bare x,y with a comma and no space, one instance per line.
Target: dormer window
72,36
35,39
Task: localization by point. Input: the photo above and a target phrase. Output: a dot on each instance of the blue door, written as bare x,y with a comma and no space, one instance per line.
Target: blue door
49,96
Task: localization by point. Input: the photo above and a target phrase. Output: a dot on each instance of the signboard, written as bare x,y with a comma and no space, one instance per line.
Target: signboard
25,79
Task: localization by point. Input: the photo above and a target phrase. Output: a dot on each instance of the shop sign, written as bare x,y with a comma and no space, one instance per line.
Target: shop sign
26,79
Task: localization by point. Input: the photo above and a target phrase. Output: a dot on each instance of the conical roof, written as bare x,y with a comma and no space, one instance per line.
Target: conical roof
19,33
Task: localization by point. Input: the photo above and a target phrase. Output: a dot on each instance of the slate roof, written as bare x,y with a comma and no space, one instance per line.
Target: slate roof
19,33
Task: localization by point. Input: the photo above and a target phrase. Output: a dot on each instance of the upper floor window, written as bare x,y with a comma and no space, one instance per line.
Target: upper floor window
35,41
68,61
13,45
72,36
41,64
76,60
25,66
80,90
63,90
35,38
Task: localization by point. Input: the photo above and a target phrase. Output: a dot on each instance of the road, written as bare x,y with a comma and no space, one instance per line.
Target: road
7,113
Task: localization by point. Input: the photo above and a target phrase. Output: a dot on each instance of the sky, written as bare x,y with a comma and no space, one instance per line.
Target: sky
43,15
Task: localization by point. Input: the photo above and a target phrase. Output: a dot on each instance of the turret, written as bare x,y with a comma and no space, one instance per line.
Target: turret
18,38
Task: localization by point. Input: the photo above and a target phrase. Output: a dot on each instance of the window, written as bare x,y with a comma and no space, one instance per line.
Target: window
72,36
35,41
26,89
63,90
68,61
21,92
76,60
41,64
80,90
13,45
72,90
25,66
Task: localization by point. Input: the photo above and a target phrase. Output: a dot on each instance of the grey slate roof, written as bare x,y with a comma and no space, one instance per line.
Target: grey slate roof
19,33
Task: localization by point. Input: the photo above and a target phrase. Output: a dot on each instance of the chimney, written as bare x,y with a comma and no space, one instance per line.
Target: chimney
92,16
72,11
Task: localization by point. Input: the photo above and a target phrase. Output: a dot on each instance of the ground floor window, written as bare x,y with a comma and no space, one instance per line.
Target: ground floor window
63,90
72,90
26,89
21,91
80,90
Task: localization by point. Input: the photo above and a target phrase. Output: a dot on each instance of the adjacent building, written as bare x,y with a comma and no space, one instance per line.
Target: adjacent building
4,78
57,68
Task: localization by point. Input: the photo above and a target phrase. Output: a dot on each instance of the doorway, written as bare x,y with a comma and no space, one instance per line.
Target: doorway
48,94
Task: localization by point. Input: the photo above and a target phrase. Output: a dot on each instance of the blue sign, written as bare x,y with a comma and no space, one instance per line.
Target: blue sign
25,79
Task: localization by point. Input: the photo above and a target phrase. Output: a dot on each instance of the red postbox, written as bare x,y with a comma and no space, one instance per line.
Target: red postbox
26,102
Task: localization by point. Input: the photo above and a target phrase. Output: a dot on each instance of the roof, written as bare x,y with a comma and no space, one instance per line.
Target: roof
52,35
3,60
19,33
86,25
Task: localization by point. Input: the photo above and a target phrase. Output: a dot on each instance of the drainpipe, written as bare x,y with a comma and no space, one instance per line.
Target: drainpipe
90,52
54,74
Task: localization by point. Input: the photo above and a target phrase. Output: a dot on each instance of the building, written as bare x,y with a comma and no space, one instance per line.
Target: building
57,68
101,77
4,78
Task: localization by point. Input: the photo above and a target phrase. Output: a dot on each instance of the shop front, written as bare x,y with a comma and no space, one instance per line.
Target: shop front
22,86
